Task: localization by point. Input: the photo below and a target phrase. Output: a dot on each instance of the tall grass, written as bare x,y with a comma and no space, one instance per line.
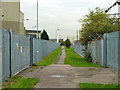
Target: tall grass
50,59
75,60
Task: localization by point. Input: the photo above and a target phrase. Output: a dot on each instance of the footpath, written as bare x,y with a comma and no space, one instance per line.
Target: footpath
65,76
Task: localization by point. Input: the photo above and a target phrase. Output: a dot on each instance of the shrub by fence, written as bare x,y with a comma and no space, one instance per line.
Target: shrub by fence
20,52
106,50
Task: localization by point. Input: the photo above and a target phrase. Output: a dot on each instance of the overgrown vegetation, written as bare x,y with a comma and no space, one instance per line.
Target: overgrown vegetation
88,57
95,24
60,52
50,59
75,60
19,82
67,43
94,85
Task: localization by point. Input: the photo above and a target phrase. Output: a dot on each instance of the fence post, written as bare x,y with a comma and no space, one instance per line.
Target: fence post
10,51
105,50
119,43
31,49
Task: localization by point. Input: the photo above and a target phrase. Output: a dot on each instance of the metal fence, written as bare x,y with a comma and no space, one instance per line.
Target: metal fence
41,48
78,48
5,55
0,58
106,51
113,50
20,52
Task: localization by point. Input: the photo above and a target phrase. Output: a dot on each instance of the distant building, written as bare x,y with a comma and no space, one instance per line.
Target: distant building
12,17
55,40
34,33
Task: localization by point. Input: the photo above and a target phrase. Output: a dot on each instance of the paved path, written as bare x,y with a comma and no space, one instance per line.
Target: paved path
65,76
62,57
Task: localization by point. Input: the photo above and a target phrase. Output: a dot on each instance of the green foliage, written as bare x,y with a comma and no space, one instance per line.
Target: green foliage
34,67
19,82
94,85
49,59
75,60
60,52
67,43
44,35
88,57
31,70
61,43
95,24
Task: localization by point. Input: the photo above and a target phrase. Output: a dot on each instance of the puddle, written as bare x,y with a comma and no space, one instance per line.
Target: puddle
59,76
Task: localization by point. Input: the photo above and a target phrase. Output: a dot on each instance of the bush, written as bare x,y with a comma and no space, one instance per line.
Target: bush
67,43
88,57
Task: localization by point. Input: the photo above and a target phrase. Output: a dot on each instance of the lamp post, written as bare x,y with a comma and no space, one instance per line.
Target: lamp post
57,35
118,15
37,18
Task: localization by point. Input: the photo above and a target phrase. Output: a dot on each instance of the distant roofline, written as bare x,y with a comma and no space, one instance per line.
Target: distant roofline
34,30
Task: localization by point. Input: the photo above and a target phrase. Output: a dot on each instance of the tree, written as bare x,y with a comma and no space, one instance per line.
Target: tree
44,35
67,43
95,24
61,42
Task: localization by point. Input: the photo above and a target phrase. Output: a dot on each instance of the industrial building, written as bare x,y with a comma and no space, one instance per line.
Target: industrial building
12,17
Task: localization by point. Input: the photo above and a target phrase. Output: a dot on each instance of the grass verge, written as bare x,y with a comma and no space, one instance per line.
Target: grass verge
31,70
50,59
19,82
60,52
95,85
75,60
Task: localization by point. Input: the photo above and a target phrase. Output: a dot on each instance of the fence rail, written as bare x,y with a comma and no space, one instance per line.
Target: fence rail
106,50
20,52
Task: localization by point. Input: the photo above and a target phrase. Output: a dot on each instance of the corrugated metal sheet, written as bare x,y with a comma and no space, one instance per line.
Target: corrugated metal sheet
5,55
21,52
41,48
78,48
0,57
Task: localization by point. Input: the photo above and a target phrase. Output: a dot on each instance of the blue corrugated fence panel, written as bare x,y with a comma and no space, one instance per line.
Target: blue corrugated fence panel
5,55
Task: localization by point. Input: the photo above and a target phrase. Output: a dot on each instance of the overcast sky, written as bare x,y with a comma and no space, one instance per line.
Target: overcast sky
60,14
